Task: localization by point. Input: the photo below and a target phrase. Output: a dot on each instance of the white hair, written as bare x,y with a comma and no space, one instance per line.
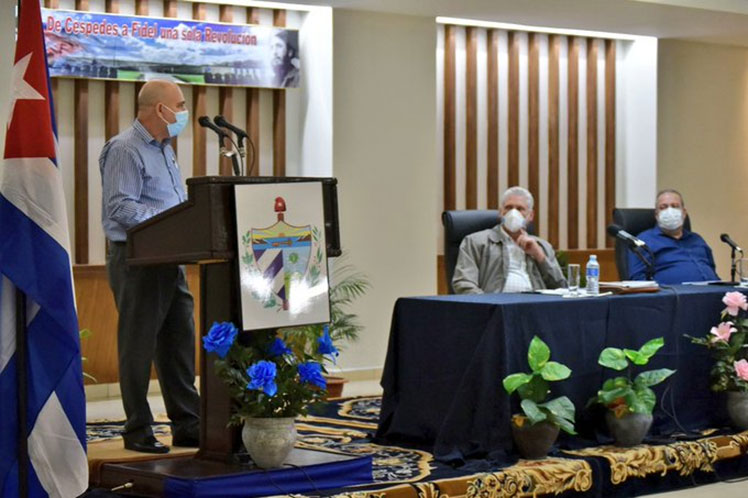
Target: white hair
521,192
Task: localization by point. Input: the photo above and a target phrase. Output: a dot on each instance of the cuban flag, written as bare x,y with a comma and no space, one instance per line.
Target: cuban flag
35,258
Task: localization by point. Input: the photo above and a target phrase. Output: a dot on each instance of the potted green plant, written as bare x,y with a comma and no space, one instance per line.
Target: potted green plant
630,401
346,286
269,384
727,343
537,428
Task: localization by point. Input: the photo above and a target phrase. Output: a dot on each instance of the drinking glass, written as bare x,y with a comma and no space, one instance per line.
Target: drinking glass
743,271
572,277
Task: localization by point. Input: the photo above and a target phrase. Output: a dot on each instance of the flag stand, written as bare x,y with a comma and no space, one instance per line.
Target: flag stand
22,394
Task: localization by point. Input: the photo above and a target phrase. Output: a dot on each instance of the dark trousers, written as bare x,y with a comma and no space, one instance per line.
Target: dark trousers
155,325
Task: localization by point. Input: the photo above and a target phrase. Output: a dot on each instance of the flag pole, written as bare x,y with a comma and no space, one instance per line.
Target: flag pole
23,441
22,373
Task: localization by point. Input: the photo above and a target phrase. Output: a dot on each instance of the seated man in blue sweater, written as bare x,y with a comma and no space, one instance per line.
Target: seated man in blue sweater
680,255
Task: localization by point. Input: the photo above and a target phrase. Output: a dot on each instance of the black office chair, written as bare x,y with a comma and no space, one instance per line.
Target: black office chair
634,221
460,223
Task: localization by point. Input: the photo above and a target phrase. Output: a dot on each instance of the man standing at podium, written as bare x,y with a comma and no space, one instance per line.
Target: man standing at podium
140,178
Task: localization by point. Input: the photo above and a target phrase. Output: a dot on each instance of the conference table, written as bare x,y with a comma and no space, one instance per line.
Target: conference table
447,356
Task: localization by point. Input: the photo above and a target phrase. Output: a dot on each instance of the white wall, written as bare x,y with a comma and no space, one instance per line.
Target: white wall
7,40
703,138
636,122
385,160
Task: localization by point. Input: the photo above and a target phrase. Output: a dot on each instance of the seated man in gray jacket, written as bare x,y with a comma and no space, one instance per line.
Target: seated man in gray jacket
506,258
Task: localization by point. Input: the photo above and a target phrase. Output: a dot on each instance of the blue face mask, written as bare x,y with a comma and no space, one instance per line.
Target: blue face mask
177,126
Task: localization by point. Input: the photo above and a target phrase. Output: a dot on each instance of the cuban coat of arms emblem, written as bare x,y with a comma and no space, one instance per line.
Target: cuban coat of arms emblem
283,265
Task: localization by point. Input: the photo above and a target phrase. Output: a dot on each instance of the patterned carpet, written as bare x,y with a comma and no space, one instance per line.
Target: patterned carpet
347,426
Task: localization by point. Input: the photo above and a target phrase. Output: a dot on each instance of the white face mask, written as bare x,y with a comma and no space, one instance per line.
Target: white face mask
670,218
514,221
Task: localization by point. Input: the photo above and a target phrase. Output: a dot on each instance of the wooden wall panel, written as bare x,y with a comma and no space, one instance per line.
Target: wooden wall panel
170,10
225,97
279,114
554,185
111,92
253,113
591,143
493,119
471,118
199,152
572,162
610,133
97,313
450,193
513,111
80,154
533,123
141,9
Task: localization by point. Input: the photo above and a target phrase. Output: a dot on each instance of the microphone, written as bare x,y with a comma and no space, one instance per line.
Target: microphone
221,121
727,240
617,231
205,122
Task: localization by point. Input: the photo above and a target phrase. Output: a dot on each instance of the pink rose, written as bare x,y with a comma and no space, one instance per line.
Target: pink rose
741,368
733,301
722,332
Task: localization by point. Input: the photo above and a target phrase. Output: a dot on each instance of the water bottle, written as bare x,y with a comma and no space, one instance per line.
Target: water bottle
592,272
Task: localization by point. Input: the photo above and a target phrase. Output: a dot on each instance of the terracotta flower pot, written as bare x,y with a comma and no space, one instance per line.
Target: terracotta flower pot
630,429
737,409
335,387
534,441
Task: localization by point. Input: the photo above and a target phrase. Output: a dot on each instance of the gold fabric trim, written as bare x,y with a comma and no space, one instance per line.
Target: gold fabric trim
533,478
684,457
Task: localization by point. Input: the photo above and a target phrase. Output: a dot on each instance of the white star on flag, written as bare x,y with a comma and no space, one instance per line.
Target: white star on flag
20,87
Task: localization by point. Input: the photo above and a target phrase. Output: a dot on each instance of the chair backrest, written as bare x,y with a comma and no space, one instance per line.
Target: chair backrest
460,223
634,221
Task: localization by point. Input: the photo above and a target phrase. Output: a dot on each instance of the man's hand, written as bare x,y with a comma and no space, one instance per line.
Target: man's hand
530,246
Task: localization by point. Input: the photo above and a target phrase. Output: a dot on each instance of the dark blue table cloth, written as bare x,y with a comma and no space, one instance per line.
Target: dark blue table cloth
447,356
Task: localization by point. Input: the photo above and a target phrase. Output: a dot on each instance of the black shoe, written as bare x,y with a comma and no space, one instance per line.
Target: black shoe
186,442
150,445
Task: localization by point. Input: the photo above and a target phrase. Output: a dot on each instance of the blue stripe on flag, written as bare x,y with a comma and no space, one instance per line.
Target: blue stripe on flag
38,265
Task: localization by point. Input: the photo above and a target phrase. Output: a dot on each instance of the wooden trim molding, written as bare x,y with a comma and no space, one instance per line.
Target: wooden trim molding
471,120
450,192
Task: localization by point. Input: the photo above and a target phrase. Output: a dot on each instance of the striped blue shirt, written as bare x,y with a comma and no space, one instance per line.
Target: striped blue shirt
139,178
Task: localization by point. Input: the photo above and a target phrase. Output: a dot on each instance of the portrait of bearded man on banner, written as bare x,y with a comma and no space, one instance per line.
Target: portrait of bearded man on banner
284,60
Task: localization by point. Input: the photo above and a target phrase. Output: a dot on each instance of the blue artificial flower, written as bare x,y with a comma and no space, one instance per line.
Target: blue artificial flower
278,348
311,373
262,375
220,338
325,345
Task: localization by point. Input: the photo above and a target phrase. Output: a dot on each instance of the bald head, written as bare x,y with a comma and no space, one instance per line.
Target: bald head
158,103
157,91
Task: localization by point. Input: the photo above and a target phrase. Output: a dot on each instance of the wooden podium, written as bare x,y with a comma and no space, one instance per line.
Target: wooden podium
202,230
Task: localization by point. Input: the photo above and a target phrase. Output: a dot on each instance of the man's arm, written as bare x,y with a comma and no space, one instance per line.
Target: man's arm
553,276
465,279
122,183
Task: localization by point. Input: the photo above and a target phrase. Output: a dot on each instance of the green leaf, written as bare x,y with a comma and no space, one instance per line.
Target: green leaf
613,358
555,371
636,357
561,407
532,411
512,382
651,347
608,397
652,377
641,400
614,383
536,389
566,426
538,354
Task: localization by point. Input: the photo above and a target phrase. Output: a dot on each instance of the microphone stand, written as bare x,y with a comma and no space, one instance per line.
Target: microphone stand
649,265
732,264
225,152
